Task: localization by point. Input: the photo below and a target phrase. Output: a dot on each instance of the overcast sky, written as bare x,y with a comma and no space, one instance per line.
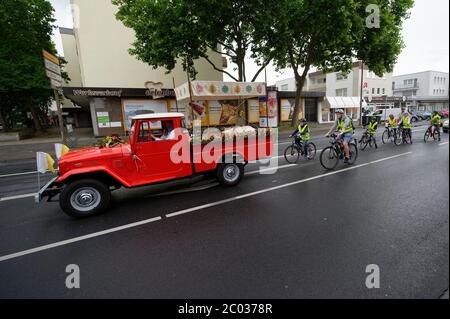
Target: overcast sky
426,37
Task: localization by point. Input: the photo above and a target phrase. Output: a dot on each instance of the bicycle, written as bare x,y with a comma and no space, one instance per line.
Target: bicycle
406,139
292,152
391,135
434,133
367,139
330,155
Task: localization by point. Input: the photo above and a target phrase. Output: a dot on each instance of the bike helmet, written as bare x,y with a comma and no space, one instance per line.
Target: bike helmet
302,120
339,111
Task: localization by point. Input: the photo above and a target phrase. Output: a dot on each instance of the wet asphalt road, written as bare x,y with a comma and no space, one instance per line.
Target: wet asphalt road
294,234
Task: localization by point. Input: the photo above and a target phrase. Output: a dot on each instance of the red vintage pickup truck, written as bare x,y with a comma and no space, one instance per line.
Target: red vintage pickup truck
159,149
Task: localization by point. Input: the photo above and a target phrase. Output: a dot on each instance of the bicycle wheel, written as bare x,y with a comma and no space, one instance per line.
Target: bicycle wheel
353,150
385,138
292,154
363,142
397,138
406,138
312,151
373,142
426,136
329,158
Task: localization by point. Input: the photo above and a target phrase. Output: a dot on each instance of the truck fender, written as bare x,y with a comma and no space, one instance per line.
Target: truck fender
90,170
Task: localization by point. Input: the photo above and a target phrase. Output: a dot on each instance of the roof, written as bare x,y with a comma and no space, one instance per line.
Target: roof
157,115
342,102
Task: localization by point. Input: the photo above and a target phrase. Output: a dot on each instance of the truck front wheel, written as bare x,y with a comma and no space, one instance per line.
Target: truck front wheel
84,198
230,174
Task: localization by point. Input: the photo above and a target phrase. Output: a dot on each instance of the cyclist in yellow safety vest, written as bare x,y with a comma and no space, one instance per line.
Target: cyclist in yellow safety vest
343,125
373,126
406,124
392,124
302,136
436,123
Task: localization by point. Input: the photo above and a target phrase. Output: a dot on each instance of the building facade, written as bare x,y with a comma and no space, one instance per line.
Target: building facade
343,90
105,78
425,91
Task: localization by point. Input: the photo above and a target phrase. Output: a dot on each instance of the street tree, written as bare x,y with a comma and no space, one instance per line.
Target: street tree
25,30
168,31
330,35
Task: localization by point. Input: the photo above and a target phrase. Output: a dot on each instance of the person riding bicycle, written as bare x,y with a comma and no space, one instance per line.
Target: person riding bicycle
436,124
372,126
344,126
392,124
302,136
406,124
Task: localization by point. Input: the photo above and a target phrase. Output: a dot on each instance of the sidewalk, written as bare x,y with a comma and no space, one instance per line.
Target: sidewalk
26,149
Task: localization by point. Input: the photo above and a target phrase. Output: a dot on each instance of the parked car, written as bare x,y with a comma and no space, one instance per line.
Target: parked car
420,115
426,115
443,114
414,118
445,126
86,176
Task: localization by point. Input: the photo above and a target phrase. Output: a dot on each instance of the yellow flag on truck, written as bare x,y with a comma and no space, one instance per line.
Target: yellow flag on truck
44,162
60,150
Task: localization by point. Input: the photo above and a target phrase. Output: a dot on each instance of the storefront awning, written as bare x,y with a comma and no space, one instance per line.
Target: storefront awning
342,102
217,90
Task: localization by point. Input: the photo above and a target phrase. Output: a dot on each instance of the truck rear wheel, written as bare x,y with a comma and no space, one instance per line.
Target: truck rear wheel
230,174
84,198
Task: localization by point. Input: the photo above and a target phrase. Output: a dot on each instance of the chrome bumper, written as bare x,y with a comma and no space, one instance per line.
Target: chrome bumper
46,190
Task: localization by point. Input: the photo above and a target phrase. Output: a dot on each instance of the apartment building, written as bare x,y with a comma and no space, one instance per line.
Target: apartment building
425,91
106,80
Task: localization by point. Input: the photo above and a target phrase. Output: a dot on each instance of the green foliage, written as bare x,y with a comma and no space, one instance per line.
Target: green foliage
25,30
109,141
168,31
330,35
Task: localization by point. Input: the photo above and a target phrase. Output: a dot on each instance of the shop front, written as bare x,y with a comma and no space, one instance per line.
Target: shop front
111,109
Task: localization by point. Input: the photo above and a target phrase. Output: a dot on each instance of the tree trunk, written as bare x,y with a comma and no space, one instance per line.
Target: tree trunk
35,115
300,82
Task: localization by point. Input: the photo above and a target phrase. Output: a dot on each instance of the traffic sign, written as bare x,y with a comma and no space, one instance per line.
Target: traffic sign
55,84
50,57
53,76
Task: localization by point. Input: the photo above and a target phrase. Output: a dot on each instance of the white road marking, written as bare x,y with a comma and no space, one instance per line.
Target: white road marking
192,209
184,211
3,199
18,174
73,240
443,143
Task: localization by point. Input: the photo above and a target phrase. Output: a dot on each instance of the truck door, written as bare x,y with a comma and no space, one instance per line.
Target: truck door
155,141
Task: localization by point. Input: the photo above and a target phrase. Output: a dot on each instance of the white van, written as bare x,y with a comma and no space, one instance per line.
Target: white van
385,111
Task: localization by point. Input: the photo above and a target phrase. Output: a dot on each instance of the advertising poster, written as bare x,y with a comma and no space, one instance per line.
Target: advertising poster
136,107
223,112
272,109
287,109
198,109
253,111
262,101
103,119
